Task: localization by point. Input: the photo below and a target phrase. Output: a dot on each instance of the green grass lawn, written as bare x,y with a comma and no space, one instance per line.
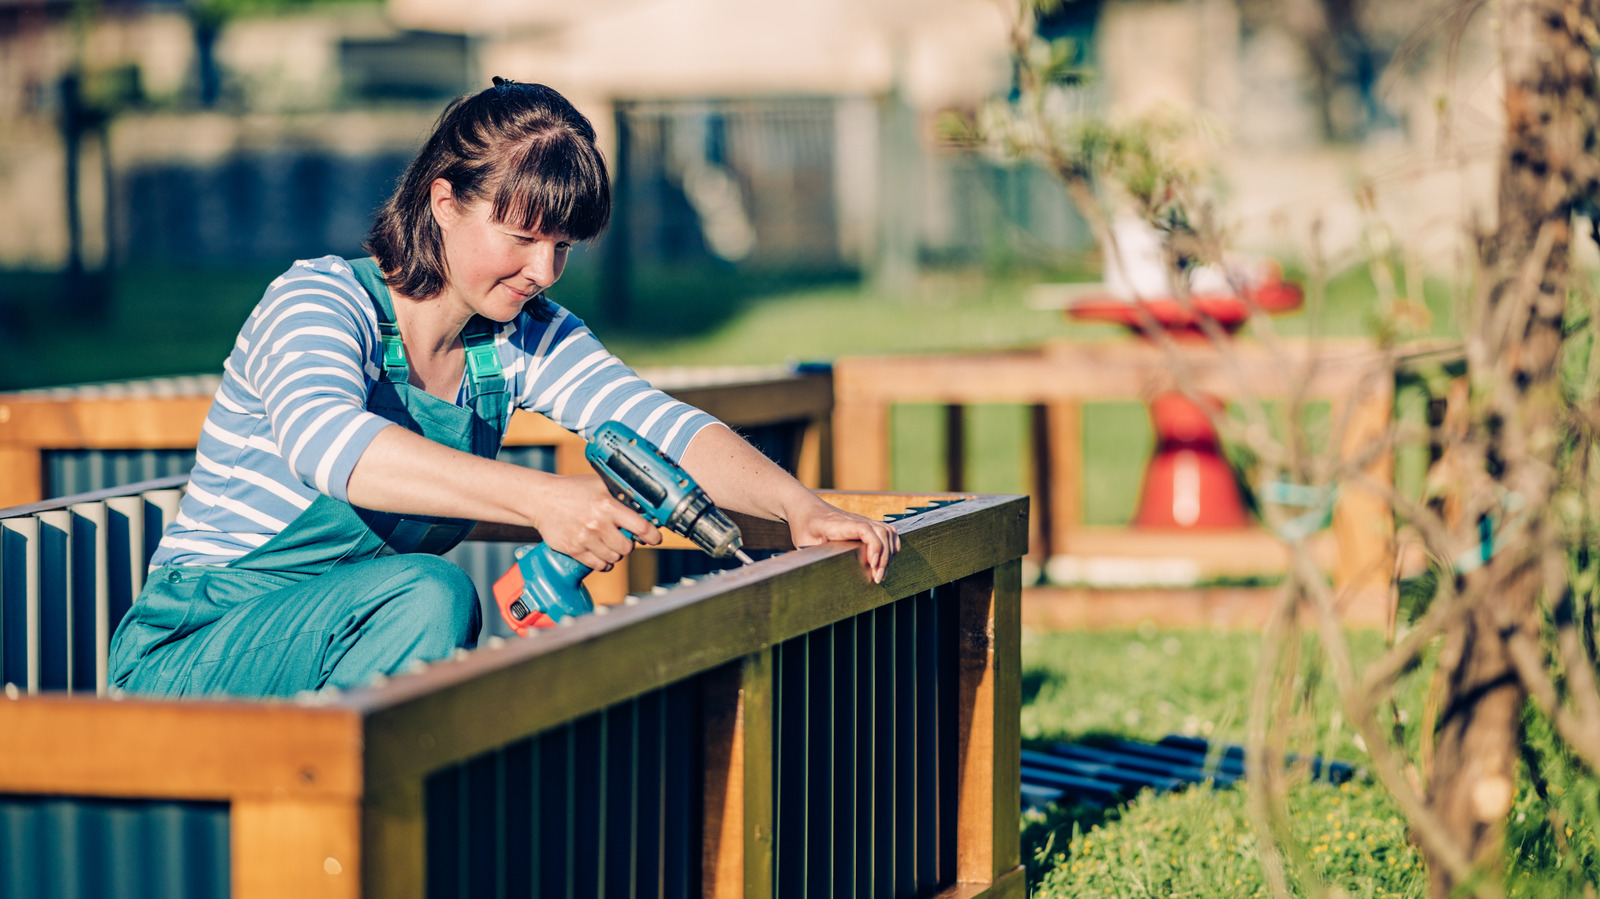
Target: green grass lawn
1149,683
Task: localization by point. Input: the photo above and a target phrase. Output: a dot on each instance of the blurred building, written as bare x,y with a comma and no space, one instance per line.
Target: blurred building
744,132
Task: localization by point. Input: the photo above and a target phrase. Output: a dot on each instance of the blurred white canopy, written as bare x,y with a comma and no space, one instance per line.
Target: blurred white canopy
947,50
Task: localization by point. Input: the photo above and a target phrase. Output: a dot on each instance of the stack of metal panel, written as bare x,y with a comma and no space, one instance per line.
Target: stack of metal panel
69,571
1113,771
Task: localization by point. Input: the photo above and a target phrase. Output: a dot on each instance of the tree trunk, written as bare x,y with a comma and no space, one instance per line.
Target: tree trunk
1547,167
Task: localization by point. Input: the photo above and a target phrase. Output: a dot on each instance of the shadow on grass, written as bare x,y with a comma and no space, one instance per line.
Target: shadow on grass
1048,832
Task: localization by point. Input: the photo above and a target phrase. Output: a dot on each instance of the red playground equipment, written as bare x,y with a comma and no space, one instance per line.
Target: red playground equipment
1187,483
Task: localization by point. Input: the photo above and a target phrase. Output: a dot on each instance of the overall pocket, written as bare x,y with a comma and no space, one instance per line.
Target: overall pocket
176,602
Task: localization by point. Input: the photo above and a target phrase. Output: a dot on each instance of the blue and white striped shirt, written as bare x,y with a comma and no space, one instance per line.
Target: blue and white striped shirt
290,419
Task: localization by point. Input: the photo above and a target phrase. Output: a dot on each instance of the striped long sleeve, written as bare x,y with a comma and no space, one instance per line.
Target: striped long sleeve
289,421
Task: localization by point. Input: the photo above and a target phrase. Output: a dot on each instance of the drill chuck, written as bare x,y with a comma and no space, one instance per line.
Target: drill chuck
707,526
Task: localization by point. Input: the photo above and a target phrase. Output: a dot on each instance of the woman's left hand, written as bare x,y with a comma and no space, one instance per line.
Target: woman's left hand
821,523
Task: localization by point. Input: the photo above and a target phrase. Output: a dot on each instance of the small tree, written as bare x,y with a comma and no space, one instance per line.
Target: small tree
1507,520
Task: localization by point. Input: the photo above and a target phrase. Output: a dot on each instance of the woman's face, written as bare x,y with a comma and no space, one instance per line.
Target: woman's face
493,268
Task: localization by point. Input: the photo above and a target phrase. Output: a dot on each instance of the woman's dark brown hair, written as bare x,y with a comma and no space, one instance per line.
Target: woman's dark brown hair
521,147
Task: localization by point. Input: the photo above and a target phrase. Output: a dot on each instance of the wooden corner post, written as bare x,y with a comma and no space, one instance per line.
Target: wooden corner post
1363,520
736,858
988,845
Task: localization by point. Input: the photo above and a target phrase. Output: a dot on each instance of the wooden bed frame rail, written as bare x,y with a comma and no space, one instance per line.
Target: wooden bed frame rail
1058,379
329,795
156,416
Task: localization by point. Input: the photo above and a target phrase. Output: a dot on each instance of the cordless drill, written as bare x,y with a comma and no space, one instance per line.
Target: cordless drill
546,586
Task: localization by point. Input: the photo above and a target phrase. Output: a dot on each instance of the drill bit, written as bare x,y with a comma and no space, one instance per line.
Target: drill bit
739,554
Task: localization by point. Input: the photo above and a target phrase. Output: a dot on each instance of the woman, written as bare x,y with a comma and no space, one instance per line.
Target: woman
354,434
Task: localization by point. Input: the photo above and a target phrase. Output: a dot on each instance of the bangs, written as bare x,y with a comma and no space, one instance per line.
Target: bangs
557,186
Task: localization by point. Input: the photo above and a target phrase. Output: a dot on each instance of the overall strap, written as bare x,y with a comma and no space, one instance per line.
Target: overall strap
486,384
395,369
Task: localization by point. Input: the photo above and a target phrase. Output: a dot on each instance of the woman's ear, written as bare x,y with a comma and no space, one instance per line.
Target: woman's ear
442,200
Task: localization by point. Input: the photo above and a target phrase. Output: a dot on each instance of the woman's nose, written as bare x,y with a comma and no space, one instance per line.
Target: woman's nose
541,266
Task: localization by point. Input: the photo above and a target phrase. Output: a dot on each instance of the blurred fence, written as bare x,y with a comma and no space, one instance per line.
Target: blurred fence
1057,379
803,184
798,183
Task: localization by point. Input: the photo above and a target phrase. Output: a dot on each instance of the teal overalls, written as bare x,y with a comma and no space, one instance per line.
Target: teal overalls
342,593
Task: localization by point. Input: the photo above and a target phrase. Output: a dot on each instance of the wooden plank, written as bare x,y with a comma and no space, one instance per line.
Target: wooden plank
457,709
1363,519
306,849
393,840
643,571
129,422
606,588
800,398
1222,551
532,429
1219,608
107,423
1060,502
1081,371
989,724
741,404
736,860
861,444
814,464
180,750
21,476
722,846
757,726
610,588
1010,885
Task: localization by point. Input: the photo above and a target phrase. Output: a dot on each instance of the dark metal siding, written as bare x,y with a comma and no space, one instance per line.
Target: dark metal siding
608,806
70,472
67,576
77,848
865,754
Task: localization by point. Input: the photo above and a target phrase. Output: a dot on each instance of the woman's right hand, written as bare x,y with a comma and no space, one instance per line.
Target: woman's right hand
410,474
577,516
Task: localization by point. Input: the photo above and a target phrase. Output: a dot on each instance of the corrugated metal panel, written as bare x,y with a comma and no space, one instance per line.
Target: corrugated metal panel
865,754
608,806
67,576
75,848
70,472
1108,771
177,386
